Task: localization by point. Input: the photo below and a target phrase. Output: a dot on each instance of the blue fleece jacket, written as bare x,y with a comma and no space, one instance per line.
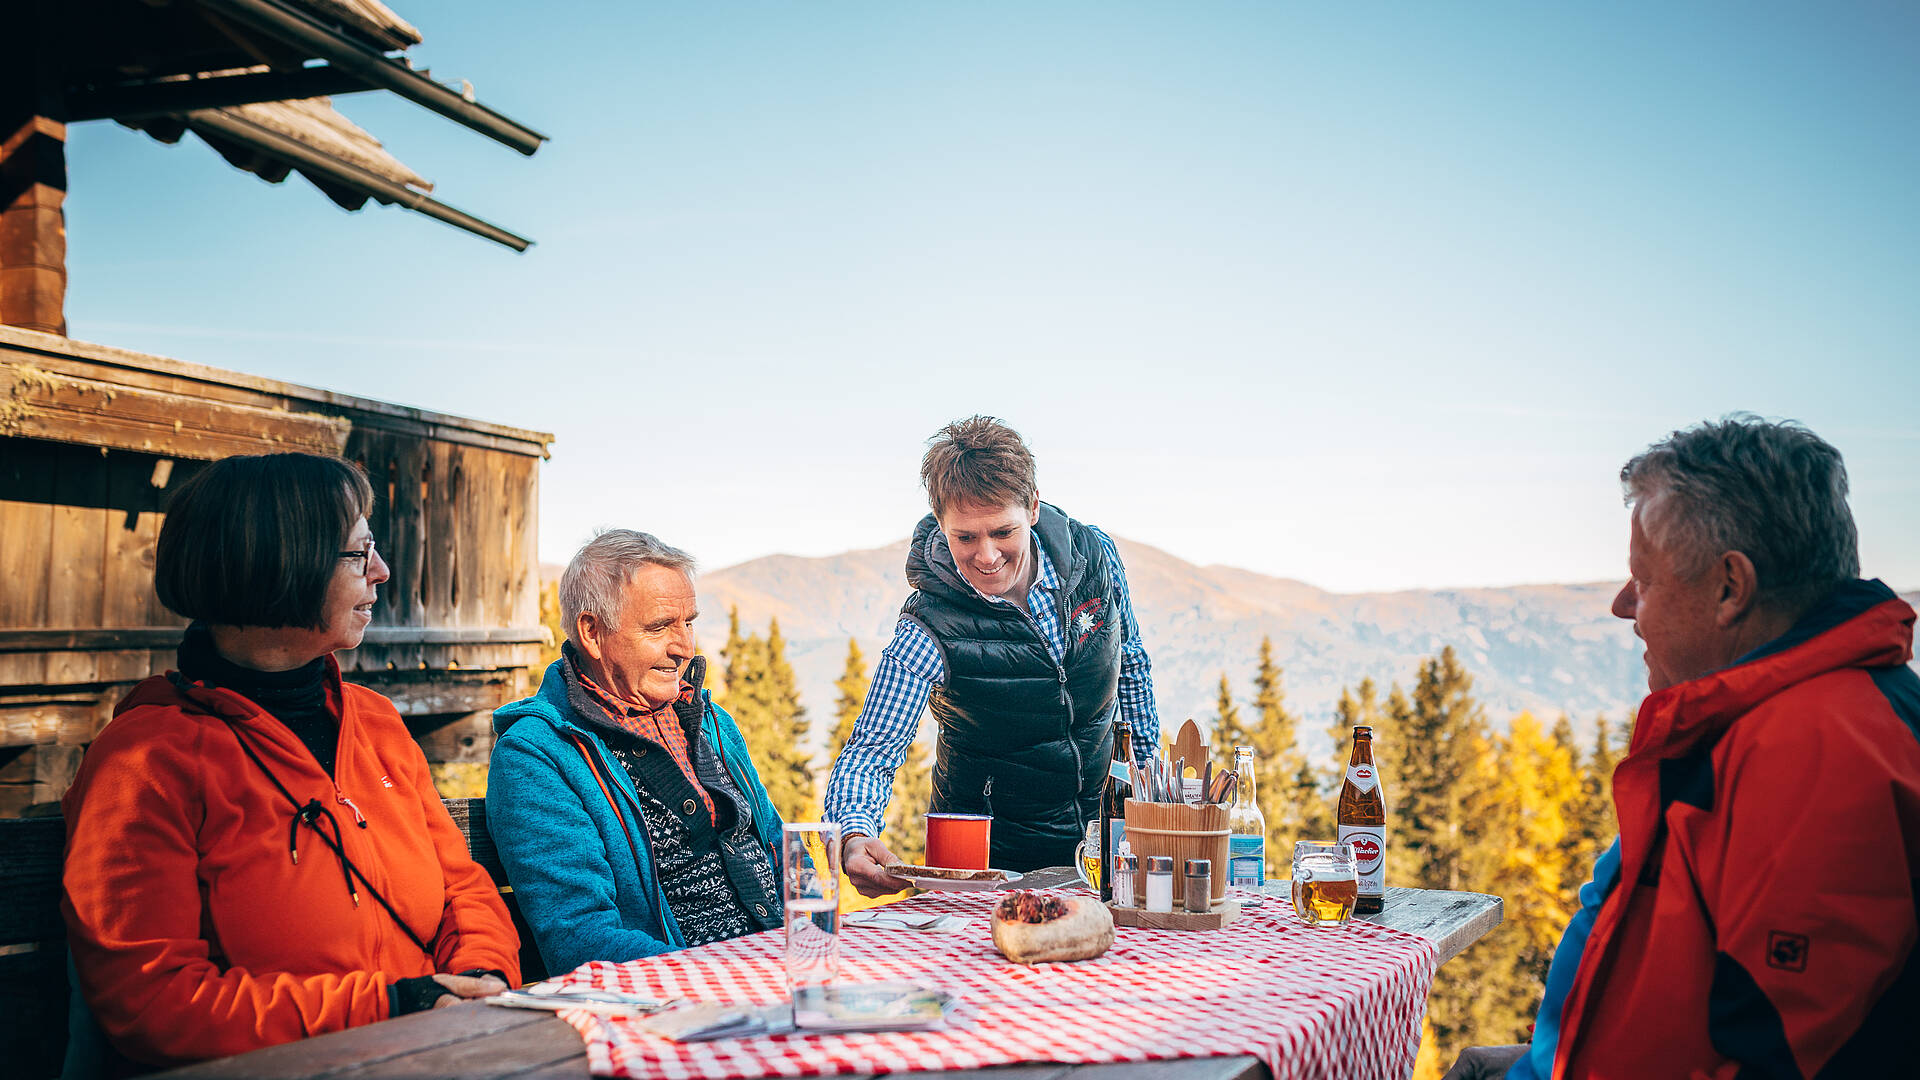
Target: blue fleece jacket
586,892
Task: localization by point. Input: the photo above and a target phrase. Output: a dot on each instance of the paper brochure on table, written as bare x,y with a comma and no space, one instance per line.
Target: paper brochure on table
842,1008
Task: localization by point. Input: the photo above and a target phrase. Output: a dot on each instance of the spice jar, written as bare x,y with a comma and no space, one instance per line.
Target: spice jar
1199,895
1160,883
1124,869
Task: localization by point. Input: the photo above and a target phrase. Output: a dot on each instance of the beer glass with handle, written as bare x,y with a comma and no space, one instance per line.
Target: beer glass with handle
1325,884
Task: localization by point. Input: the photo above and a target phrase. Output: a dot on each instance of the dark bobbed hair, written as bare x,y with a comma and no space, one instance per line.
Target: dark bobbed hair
254,541
978,461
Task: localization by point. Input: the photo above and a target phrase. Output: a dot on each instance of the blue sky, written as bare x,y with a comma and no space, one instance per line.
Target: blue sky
1373,298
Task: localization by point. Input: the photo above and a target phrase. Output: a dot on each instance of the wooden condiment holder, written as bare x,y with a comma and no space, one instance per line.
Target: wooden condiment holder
1180,832
1218,917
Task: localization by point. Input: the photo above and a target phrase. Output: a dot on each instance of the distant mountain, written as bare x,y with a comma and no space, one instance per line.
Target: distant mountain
1547,649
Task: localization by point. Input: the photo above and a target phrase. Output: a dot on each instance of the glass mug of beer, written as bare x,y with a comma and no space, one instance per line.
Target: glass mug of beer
1086,857
1326,882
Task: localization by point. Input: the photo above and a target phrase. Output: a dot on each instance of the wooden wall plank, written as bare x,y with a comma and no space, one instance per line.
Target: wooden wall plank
442,537
75,590
130,531
26,523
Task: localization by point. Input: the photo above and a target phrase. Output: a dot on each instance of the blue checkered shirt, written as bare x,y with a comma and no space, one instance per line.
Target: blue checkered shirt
911,666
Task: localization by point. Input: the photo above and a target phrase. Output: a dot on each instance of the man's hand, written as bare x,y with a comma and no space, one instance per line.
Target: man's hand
1486,1062
861,858
467,986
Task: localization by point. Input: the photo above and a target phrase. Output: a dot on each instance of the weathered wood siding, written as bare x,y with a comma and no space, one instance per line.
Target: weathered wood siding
92,439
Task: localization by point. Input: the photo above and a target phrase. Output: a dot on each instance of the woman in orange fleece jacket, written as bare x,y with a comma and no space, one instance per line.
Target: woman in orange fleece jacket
255,850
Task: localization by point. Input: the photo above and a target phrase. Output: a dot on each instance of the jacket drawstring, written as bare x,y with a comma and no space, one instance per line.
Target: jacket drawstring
309,814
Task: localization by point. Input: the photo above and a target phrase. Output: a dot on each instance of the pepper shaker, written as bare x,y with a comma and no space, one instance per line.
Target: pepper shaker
1124,868
1199,896
1160,883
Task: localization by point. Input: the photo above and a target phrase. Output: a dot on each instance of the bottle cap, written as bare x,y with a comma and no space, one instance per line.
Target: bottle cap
1159,864
1199,867
1127,863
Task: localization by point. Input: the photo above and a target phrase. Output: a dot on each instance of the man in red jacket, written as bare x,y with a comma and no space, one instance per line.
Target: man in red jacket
1757,916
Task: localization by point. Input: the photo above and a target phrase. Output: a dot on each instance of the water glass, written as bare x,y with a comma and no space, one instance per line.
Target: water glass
810,890
1326,883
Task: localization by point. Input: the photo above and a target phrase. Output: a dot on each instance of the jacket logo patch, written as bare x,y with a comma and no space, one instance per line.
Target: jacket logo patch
385,781
1785,951
1087,619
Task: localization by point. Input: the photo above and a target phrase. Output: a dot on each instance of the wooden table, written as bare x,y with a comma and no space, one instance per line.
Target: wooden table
488,1043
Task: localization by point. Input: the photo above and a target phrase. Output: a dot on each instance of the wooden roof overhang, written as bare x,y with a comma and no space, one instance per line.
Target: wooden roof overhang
170,66
61,390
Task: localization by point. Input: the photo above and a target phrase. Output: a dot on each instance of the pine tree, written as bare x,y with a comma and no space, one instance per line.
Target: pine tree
1450,730
765,703
1595,823
851,697
1271,731
1563,735
1413,803
731,652
1228,729
912,797
1491,992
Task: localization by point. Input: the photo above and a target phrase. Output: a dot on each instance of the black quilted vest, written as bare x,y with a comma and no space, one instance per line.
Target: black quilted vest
1021,737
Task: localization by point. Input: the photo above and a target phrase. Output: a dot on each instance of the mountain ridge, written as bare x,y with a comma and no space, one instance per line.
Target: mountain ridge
1543,648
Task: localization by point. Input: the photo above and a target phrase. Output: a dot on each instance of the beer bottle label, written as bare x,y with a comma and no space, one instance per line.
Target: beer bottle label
1362,777
1247,861
1369,856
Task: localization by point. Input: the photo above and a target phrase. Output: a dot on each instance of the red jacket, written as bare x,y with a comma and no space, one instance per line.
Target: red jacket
1765,921
194,932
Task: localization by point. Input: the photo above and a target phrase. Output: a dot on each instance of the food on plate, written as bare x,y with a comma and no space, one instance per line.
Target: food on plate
944,872
1031,927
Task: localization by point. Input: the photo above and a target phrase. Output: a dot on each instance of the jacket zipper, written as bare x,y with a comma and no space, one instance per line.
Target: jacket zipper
667,921
1066,699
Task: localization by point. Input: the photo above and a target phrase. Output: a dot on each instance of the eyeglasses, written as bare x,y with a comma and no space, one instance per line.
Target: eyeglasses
365,555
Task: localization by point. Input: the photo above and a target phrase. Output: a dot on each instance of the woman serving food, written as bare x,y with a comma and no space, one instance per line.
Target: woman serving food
1019,635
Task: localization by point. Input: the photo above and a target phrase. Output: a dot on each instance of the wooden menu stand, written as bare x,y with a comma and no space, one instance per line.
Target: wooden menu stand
1218,918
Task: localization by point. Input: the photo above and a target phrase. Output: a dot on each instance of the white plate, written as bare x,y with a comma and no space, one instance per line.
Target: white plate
939,884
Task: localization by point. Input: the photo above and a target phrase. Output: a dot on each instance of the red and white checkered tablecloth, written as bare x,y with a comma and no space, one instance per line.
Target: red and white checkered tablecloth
1345,1002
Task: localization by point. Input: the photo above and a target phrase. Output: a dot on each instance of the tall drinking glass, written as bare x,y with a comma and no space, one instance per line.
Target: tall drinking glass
810,889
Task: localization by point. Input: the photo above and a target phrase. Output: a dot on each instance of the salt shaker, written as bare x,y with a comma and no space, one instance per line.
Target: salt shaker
1160,883
1199,895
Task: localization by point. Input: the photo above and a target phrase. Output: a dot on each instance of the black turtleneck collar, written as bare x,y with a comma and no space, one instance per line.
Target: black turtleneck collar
296,698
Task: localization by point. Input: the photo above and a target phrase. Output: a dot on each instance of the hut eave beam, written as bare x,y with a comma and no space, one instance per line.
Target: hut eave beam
140,100
315,38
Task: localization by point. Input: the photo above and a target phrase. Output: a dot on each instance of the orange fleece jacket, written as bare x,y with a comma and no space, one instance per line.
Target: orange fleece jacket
194,932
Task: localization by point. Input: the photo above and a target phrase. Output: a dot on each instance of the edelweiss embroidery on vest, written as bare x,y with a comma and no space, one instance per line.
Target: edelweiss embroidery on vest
1086,619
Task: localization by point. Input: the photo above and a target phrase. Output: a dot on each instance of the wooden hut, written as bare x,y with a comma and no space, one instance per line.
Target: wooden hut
92,437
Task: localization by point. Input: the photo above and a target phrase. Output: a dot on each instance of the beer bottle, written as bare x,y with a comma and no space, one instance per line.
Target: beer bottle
1113,808
1363,822
1246,828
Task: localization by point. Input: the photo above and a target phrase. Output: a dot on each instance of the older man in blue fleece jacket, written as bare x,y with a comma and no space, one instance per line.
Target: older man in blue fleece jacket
627,813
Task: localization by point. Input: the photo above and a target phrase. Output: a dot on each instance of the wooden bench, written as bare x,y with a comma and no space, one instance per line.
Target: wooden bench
33,935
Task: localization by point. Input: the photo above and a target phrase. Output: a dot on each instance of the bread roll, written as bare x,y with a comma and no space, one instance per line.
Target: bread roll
1038,928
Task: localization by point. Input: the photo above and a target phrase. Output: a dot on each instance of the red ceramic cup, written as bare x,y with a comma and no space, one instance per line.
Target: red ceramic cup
958,841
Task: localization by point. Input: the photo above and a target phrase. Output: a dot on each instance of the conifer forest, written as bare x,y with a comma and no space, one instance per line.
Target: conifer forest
1521,815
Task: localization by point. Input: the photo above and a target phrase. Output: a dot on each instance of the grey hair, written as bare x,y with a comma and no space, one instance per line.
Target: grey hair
597,577
1772,490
